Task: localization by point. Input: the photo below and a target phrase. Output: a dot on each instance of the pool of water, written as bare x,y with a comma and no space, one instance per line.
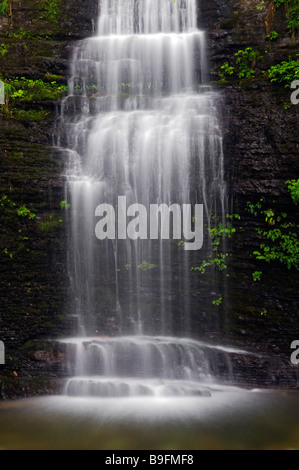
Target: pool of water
230,418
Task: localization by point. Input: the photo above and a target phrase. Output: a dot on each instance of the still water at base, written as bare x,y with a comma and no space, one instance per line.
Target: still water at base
230,418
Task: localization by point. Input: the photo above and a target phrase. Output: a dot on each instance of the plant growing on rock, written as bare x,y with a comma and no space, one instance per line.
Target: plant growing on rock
292,12
293,187
278,235
146,266
4,7
285,72
3,49
243,65
24,91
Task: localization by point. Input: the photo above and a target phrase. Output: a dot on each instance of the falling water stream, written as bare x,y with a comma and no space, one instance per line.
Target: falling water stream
140,126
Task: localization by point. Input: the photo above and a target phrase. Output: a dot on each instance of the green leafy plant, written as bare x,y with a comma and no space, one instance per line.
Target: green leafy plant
243,65
64,205
4,7
23,91
226,70
261,6
27,90
218,301
285,72
272,36
146,266
219,259
25,212
50,224
292,11
257,276
25,34
214,261
246,61
25,115
7,252
293,187
7,204
279,239
51,10
3,49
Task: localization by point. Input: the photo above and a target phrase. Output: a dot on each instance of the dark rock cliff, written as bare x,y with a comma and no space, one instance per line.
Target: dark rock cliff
37,37
261,152
260,129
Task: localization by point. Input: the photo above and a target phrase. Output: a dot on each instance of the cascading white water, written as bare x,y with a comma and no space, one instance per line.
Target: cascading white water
140,123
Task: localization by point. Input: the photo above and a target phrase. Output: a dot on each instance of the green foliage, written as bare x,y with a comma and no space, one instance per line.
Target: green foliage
23,91
3,49
12,215
145,266
261,6
279,239
226,70
52,11
293,17
257,275
25,212
50,224
7,252
7,204
28,114
243,66
272,36
27,90
4,7
220,231
285,72
218,262
278,3
293,187
284,248
127,85
254,208
218,301
64,205
246,61
23,34
292,7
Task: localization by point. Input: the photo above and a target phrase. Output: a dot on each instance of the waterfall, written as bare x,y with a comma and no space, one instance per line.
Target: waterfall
140,129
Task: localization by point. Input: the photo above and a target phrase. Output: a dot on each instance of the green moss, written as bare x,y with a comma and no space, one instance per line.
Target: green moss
35,345
292,13
50,224
26,90
4,7
23,115
51,11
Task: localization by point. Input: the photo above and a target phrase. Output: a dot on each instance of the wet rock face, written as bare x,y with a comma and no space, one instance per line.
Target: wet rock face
259,127
37,39
57,18
261,153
